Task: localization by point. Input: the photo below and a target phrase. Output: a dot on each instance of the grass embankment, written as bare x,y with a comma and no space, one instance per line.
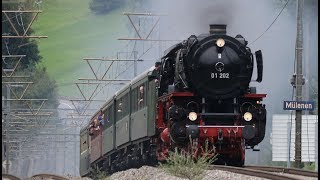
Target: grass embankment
74,33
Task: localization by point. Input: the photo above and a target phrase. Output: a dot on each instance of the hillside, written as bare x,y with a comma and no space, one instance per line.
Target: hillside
74,33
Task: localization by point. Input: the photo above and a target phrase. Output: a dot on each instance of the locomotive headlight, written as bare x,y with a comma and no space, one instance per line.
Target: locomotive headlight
220,42
247,116
193,116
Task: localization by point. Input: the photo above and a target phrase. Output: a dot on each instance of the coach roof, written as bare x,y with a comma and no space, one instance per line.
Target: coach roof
134,80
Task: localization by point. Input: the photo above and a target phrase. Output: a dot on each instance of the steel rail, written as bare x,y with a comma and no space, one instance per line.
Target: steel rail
48,176
10,176
254,172
284,170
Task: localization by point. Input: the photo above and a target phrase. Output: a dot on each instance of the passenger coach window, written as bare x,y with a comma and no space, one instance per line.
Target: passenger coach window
119,109
84,144
142,96
105,119
122,106
134,99
111,115
125,105
108,117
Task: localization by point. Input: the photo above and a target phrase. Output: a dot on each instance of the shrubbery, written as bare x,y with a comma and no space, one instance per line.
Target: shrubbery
98,174
183,165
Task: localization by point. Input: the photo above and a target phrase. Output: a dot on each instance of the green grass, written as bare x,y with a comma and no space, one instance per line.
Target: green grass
74,33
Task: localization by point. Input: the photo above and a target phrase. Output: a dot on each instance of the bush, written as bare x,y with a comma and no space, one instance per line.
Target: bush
309,166
183,165
97,174
43,87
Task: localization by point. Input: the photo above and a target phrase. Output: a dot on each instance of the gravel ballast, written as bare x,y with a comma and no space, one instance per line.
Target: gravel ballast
153,173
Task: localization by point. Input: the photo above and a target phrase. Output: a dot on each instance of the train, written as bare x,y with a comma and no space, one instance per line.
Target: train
199,100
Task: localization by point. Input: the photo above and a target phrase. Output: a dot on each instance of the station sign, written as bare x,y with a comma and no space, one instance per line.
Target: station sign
298,105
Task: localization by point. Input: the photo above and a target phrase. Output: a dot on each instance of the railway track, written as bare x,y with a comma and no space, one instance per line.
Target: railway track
277,173
46,177
10,177
285,170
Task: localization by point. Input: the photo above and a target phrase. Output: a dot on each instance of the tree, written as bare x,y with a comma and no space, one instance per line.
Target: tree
43,87
11,46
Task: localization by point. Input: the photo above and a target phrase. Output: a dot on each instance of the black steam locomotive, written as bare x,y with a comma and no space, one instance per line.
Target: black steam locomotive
200,101
227,112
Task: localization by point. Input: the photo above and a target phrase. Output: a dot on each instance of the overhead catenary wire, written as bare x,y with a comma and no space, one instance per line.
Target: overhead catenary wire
12,17
21,21
122,68
6,42
118,67
118,70
270,24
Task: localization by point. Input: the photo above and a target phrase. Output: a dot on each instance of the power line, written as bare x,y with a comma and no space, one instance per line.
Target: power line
270,24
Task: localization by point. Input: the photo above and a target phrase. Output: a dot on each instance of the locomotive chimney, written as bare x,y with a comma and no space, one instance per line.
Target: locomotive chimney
218,29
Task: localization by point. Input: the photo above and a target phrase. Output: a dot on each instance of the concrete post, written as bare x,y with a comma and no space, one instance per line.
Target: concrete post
298,84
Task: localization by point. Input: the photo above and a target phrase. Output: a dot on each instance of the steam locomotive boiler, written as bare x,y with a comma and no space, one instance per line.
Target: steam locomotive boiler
206,105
